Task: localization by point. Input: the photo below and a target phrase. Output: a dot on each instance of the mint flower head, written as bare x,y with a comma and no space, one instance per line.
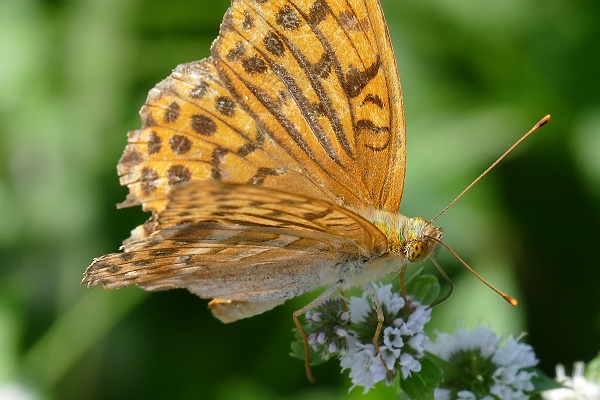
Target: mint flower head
477,365
344,329
401,343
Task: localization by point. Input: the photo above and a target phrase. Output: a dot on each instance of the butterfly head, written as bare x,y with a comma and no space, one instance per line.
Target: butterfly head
413,239
418,239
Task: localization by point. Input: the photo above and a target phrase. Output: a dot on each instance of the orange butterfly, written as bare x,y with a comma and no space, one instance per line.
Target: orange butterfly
273,167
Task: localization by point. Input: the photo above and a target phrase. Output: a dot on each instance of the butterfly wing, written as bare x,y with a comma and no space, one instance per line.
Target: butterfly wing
192,129
233,310
320,79
242,243
299,96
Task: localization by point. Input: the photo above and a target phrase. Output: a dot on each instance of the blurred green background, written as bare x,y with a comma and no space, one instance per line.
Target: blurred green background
475,75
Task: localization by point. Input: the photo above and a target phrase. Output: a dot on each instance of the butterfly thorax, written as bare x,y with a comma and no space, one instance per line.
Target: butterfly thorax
413,239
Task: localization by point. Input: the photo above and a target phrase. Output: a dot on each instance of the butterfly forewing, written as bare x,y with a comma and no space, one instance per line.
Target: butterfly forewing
337,112
194,130
301,96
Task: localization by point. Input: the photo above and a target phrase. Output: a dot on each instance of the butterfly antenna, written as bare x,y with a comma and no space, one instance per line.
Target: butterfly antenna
540,123
511,300
447,278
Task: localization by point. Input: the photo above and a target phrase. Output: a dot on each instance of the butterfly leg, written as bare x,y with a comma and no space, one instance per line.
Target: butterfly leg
316,302
380,320
343,299
403,287
378,311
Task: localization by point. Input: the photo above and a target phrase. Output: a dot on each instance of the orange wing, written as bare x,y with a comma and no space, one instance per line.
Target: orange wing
320,79
299,96
194,130
242,243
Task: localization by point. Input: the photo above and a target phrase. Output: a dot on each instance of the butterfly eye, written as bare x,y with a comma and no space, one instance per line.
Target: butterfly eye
417,251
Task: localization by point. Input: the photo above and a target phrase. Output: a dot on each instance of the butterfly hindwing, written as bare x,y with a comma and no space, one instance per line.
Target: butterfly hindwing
243,243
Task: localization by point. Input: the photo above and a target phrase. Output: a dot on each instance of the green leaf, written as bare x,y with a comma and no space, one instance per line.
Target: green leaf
416,273
592,370
424,288
297,351
421,385
440,362
542,382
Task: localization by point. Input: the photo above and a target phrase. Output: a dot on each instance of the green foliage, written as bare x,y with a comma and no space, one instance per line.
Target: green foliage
297,351
422,384
592,370
542,382
424,288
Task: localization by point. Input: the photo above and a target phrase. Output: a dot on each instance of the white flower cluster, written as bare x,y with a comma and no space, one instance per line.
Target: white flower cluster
577,387
402,341
501,369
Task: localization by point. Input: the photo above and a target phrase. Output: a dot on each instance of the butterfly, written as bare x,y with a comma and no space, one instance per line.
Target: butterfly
275,166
